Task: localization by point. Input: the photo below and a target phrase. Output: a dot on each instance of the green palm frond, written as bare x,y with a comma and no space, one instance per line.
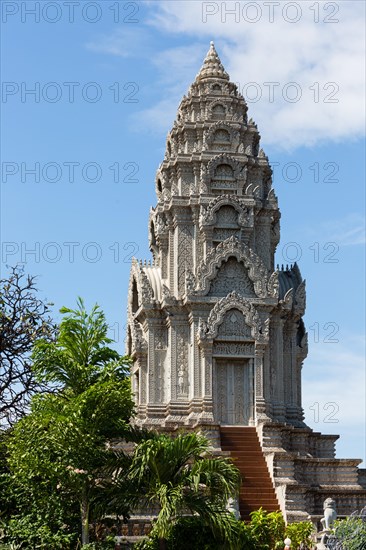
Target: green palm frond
177,476
219,476
80,356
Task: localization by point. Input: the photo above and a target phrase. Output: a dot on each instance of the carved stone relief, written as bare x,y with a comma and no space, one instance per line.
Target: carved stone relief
182,361
232,275
232,348
259,326
234,326
185,238
209,215
233,247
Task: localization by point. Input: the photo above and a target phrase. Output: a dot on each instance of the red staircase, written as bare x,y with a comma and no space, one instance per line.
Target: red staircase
257,488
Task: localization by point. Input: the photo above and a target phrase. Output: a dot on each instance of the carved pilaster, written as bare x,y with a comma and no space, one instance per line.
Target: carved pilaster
277,371
294,365
184,247
172,358
207,369
260,403
153,380
179,357
194,320
259,353
172,254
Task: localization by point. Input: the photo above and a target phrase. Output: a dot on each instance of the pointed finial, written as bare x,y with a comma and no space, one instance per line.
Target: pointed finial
212,66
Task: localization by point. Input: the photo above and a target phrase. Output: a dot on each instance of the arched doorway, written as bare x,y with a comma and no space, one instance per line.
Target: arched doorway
234,391
233,371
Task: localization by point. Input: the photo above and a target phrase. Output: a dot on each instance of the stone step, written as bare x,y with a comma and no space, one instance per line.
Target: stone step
239,445
245,450
255,498
238,439
264,503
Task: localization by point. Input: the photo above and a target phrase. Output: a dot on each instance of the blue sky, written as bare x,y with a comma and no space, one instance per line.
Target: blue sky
108,80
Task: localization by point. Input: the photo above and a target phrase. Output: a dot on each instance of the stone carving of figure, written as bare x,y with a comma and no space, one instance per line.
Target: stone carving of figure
330,514
181,381
190,281
233,507
202,330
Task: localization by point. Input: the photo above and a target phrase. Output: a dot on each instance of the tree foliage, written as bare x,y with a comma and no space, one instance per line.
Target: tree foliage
178,476
58,451
349,533
265,531
24,319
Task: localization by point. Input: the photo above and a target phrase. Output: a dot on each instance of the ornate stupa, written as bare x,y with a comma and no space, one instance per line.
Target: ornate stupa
215,331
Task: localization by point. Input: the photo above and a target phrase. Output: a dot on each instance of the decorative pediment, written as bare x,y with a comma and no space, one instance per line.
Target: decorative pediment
221,132
223,159
143,287
259,327
208,213
257,271
217,109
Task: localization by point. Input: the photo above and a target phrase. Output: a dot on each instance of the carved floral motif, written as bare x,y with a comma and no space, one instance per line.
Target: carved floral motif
231,275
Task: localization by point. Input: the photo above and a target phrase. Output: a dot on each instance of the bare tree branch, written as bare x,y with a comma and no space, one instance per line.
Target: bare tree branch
23,319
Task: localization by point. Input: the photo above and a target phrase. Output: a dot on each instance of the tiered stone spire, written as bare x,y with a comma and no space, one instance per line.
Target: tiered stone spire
213,236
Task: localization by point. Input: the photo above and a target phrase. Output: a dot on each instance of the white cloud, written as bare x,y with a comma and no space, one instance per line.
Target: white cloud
347,231
325,60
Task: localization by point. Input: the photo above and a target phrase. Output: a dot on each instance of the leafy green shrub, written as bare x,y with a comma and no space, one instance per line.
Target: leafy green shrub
26,532
109,544
267,529
350,533
188,532
150,543
300,533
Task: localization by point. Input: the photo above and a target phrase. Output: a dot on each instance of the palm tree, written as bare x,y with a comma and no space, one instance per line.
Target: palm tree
91,377
179,476
80,356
